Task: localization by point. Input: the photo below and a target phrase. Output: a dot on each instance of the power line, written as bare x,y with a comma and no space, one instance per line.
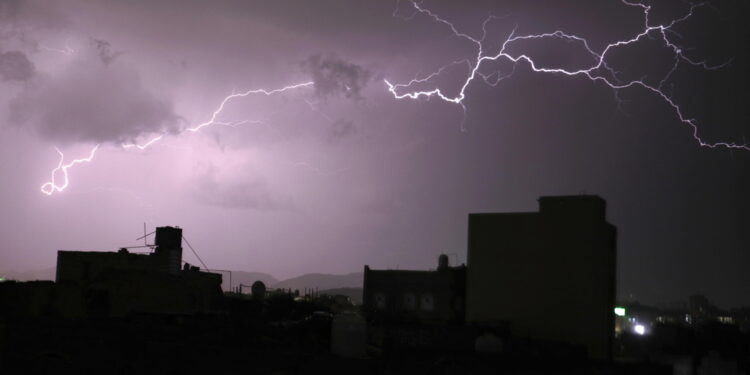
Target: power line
196,254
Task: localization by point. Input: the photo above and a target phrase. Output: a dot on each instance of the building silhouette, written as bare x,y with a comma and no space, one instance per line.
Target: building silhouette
548,275
401,296
84,266
120,283
537,293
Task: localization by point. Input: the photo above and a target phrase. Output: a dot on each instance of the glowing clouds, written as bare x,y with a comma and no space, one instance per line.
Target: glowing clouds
93,100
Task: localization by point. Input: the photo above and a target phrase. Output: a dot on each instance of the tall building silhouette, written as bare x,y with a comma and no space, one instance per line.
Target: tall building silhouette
549,275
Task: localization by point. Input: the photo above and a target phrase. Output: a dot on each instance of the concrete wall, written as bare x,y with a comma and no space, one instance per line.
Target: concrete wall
550,275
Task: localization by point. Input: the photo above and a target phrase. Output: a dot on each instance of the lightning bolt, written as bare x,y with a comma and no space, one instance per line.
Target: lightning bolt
68,50
596,72
212,120
51,187
145,145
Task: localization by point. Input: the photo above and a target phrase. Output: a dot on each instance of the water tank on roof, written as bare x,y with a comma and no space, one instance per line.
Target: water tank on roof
443,262
168,237
168,243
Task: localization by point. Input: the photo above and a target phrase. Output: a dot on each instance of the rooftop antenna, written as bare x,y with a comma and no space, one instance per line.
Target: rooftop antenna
148,234
145,238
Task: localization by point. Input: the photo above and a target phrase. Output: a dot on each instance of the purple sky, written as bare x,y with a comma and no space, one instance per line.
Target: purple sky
332,176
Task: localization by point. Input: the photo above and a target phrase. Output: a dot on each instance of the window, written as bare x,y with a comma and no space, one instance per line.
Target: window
380,301
410,301
427,302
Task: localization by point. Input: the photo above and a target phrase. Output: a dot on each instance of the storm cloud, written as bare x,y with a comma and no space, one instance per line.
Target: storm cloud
94,101
334,76
104,50
343,170
15,66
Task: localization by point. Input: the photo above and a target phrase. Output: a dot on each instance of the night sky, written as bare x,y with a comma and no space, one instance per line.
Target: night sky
339,173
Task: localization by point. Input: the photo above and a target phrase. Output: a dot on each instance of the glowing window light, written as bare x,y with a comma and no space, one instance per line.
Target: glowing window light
639,329
620,311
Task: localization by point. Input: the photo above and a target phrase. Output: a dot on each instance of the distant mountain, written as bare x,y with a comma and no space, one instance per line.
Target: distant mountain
43,274
322,281
354,293
347,284
247,278
238,277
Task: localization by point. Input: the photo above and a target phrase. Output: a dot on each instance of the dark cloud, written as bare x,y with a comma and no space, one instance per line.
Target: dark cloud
9,8
410,175
93,103
104,51
334,76
36,14
15,66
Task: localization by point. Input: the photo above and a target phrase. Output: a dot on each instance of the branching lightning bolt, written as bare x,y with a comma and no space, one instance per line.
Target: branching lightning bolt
51,186
598,71
213,121
595,72
145,145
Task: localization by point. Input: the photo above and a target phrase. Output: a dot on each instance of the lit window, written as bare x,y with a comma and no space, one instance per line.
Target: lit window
410,301
620,311
427,303
380,301
639,329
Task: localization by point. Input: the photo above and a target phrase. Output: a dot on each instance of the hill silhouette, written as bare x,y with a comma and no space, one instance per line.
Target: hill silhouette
322,281
41,274
349,284
247,278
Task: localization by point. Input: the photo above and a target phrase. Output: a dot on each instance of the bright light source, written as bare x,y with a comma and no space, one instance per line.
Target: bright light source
620,311
639,329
